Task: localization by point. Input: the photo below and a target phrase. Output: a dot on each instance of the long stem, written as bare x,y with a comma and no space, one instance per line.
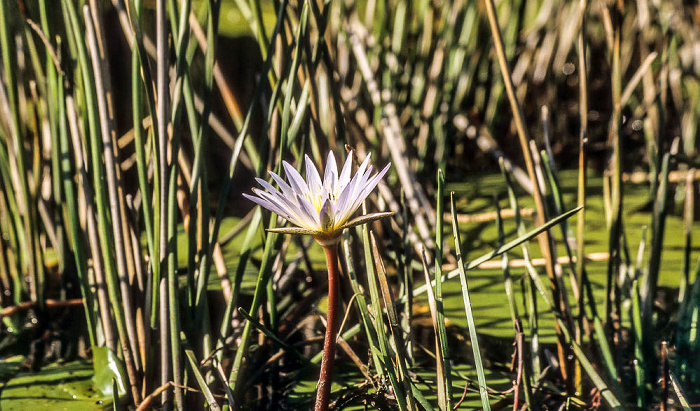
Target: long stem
326,378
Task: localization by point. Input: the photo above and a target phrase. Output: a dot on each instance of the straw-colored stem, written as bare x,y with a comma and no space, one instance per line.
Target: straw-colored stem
162,118
402,376
581,194
25,235
73,220
112,184
329,343
101,202
518,118
391,129
92,234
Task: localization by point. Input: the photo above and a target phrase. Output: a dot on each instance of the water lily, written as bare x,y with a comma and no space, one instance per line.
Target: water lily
320,207
323,209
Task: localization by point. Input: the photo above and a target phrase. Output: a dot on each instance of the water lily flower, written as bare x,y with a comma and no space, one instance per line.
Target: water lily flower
320,207
323,209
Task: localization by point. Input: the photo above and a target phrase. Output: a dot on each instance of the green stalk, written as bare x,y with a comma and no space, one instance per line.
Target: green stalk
162,120
474,338
530,291
78,243
200,171
118,273
226,185
16,234
105,235
264,275
141,163
607,394
444,381
110,165
361,303
501,249
52,103
558,290
173,295
384,352
640,371
394,327
246,249
28,251
407,283
510,293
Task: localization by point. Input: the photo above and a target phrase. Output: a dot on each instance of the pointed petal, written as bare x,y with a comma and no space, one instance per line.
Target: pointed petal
309,214
360,183
267,186
345,205
293,230
372,183
366,219
299,210
286,189
347,168
313,179
330,178
287,209
261,202
295,180
364,165
266,204
274,203
362,189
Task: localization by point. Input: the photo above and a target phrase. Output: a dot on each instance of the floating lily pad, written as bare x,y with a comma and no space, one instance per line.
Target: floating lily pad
56,387
108,368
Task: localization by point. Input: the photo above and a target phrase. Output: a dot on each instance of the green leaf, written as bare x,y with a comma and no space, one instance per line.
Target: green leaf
67,387
108,367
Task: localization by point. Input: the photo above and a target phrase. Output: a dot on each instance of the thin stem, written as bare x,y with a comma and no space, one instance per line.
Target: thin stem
326,378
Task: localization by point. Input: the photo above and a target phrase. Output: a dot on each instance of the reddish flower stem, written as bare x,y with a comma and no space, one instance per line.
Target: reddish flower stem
326,378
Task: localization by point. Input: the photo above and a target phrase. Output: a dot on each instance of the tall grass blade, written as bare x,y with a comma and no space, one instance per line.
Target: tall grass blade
474,338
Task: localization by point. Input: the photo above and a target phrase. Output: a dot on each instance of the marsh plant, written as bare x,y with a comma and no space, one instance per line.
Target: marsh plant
322,209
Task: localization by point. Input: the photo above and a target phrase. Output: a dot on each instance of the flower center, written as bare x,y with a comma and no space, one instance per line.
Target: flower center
318,199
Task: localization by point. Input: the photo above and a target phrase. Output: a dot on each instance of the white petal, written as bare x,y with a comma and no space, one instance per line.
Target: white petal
286,189
369,186
360,190
330,179
309,213
361,182
280,207
357,198
346,200
313,179
347,168
291,210
267,186
343,202
295,180
263,203
267,204
364,165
